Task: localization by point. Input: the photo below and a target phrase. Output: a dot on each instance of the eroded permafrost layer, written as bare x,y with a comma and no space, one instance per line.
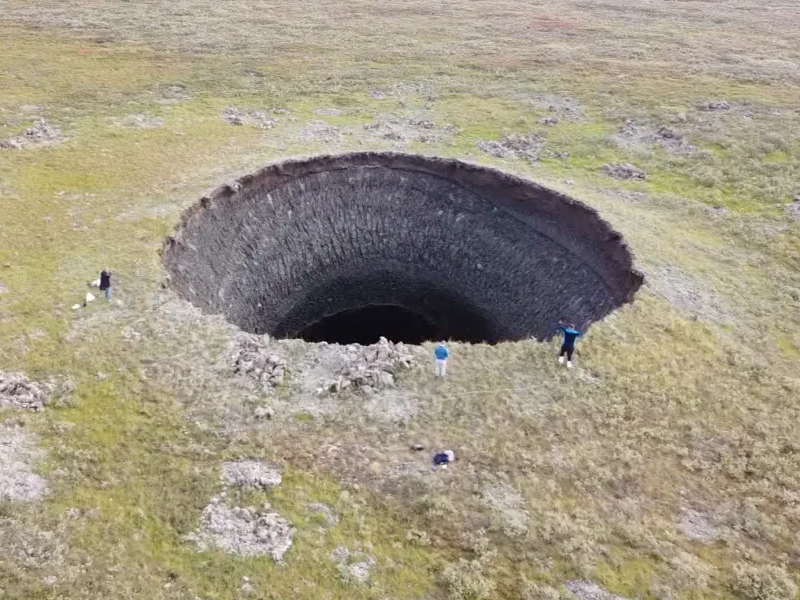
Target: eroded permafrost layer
482,255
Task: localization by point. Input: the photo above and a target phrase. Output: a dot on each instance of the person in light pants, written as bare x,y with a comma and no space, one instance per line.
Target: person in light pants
441,354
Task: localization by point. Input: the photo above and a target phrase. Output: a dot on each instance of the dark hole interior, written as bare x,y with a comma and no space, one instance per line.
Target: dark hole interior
367,324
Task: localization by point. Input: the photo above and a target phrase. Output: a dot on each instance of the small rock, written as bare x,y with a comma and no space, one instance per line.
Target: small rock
250,474
385,379
17,391
625,171
264,412
586,590
718,105
526,147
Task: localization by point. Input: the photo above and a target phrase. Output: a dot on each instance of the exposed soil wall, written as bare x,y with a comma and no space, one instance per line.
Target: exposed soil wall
480,254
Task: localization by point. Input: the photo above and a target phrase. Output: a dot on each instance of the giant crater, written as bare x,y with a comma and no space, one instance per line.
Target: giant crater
350,247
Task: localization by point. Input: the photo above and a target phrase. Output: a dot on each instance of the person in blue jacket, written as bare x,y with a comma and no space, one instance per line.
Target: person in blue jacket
441,354
568,345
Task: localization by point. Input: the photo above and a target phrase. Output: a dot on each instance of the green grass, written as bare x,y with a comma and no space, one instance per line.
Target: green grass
667,410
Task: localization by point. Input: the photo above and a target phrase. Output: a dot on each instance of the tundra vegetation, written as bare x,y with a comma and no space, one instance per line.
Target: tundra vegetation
664,466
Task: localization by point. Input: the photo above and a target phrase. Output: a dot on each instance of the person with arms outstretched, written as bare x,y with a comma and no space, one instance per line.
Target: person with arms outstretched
568,345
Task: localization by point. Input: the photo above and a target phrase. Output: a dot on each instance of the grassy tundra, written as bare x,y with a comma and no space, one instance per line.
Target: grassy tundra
666,466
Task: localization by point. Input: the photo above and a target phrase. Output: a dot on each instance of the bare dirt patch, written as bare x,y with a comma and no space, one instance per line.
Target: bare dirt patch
18,456
586,590
17,391
624,171
633,135
409,129
41,133
698,526
250,474
243,531
564,107
687,293
525,147
258,119
320,131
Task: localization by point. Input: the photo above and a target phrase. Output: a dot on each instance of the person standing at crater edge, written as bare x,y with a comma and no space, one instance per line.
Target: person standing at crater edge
105,283
568,345
441,354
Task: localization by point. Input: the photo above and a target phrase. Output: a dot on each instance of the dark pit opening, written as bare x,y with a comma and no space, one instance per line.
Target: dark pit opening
368,324
353,247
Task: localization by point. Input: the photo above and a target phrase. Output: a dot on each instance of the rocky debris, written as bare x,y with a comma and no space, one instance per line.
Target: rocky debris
632,135
527,147
42,133
320,131
18,455
250,356
250,474
17,391
378,95
586,590
253,118
371,366
331,518
697,526
264,413
408,129
718,105
140,121
353,566
625,171
549,121
508,509
243,531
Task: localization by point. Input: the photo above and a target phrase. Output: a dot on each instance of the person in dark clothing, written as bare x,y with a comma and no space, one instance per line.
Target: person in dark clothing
105,283
568,345
442,459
